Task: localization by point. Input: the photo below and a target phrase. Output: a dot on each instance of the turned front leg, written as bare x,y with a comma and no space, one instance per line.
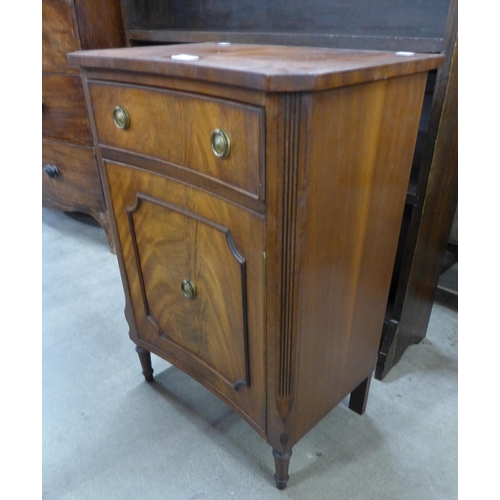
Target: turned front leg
145,359
281,463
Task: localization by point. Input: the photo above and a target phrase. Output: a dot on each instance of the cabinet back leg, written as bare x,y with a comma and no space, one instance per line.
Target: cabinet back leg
145,359
281,463
359,397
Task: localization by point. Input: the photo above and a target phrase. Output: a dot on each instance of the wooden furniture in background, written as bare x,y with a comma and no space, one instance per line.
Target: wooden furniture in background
424,26
256,195
70,177
430,213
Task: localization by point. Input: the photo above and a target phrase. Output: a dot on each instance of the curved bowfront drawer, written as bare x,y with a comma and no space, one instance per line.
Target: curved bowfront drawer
215,138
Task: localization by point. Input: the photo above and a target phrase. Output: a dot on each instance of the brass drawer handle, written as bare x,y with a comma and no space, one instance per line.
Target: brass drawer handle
121,118
188,289
221,145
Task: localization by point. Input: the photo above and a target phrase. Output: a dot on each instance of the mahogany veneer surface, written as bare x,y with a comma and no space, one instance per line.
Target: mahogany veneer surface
290,281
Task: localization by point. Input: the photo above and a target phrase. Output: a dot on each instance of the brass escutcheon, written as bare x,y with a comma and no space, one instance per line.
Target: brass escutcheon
188,289
221,145
121,118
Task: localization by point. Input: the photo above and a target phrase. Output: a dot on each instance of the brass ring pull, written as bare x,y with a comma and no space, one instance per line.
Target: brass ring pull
221,145
188,289
121,118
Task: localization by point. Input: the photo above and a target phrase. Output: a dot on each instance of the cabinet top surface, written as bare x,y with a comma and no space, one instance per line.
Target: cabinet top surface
261,67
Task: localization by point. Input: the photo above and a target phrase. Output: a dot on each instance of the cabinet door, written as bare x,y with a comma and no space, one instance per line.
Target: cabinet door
194,265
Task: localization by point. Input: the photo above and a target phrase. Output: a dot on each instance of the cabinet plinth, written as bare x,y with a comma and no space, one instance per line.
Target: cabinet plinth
256,196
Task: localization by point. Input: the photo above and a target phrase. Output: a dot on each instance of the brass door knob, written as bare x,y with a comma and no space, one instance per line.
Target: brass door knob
188,289
221,145
121,118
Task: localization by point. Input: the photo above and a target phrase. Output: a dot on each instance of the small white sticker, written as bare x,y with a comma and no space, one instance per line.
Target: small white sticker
184,57
403,53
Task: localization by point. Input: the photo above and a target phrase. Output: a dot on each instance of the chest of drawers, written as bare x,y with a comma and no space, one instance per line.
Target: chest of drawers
70,176
256,195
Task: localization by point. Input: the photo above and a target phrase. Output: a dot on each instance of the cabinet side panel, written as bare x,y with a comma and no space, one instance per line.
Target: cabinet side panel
355,182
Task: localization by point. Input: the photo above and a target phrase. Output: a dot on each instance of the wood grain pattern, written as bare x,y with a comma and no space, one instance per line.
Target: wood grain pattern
185,175
356,175
78,183
177,127
64,116
200,249
309,276
176,233
100,23
225,92
262,67
58,37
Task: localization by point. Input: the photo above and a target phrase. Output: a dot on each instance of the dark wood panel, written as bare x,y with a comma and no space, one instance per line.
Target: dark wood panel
100,23
399,329
153,14
77,182
410,18
314,39
437,219
64,115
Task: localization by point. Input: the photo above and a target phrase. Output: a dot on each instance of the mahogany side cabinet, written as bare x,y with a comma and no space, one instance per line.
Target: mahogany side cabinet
256,194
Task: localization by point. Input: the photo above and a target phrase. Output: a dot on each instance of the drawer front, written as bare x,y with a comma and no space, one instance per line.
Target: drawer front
58,37
177,127
76,183
195,274
64,115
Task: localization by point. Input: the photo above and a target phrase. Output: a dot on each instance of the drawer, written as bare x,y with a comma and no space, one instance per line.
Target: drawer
58,37
76,182
64,115
178,128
